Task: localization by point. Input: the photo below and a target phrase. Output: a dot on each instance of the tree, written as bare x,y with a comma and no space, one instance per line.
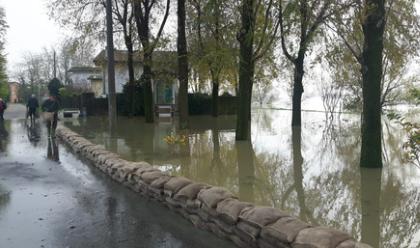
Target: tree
246,69
256,39
33,75
214,50
54,87
86,19
381,45
371,61
302,20
401,45
112,99
4,87
182,66
142,15
124,14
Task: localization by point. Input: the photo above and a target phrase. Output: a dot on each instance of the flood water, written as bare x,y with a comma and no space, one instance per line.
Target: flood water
311,172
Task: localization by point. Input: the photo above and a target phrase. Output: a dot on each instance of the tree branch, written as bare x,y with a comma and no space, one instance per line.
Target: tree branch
152,47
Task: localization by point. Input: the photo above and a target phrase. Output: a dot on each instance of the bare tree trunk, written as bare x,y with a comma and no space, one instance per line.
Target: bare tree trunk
131,79
297,93
373,29
146,78
182,67
147,84
112,103
142,10
246,70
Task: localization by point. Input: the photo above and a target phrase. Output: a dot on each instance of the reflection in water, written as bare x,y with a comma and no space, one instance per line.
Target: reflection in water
111,218
3,136
246,170
314,174
370,199
4,197
52,152
33,132
304,213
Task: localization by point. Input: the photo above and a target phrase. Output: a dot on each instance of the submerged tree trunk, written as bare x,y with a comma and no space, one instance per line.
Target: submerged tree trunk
182,67
370,186
246,70
215,95
246,170
297,170
373,30
297,92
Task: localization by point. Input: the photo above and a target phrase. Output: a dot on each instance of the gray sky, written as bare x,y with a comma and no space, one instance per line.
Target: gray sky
29,28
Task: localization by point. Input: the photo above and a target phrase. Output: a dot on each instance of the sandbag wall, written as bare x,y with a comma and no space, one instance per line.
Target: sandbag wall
211,208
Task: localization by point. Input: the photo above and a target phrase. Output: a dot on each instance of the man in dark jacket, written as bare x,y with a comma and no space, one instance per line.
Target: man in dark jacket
31,107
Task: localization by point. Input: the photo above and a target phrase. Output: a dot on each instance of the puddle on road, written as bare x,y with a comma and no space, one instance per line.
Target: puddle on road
315,177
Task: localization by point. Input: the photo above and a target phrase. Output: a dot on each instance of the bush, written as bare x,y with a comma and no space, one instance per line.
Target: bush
200,104
124,102
54,87
4,91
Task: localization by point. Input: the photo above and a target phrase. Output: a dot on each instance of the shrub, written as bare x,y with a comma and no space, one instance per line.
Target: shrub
4,91
200,104
54,87
125,103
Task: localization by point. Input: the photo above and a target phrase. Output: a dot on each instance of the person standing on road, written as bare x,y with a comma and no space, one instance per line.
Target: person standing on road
31,107
3,107
50,114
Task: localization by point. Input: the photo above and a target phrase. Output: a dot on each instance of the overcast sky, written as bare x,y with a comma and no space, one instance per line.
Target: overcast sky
29,28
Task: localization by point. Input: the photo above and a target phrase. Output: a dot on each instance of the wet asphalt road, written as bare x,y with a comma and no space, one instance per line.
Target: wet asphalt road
69,204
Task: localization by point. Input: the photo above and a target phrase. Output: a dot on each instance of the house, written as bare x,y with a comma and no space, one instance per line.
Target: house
79,76
96,82
165,83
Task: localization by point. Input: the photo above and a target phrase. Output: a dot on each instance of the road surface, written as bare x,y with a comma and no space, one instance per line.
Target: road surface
68,204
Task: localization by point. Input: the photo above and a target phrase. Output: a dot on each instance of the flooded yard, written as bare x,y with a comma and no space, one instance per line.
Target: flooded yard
312,172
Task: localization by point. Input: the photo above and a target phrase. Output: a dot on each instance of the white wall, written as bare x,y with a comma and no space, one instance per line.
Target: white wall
80,79
121,75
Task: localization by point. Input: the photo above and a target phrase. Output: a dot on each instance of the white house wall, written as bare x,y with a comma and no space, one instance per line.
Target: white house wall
121,76
80,79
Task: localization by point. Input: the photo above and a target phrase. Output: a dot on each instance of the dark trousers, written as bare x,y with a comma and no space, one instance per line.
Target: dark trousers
1,115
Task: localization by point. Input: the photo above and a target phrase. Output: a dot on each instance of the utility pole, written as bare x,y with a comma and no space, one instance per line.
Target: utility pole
112,105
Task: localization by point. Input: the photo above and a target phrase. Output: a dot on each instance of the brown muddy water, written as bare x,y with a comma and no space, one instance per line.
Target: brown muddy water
315,177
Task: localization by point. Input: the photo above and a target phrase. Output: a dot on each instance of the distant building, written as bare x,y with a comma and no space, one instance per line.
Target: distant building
96,83
165,83
79,76
14,92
